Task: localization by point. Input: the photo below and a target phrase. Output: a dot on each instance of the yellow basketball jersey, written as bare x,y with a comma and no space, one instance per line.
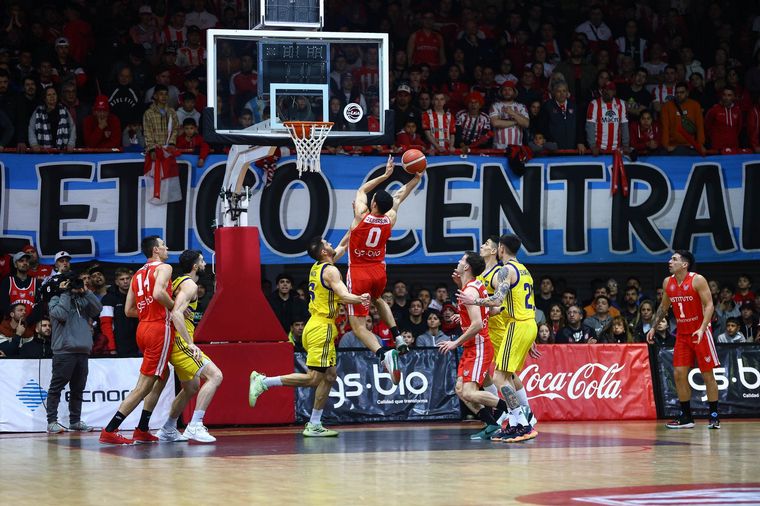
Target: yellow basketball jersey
322,300
495,323
193,305
518,304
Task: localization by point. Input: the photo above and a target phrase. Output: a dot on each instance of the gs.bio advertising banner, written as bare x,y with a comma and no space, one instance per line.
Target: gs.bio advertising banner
94,206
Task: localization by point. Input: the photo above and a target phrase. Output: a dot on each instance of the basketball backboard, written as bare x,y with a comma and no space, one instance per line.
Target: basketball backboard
277,76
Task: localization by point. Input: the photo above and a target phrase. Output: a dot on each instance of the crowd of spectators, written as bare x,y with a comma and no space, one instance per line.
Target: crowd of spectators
658,77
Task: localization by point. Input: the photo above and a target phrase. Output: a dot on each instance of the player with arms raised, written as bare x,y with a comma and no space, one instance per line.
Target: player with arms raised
367,238
689,294
150,300
326,289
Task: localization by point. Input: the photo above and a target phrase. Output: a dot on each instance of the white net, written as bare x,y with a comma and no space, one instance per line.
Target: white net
308,136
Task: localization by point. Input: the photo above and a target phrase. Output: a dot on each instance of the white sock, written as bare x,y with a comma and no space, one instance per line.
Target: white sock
171,424
517,416
522,396
316,417
491,389
198,416
502,418
273,382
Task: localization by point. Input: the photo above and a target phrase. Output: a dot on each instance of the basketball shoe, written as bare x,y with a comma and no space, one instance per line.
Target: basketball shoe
714,421
113,438
256,387
390,361
485,434
170,436
318,430
401,347
680,422
140,436
198,432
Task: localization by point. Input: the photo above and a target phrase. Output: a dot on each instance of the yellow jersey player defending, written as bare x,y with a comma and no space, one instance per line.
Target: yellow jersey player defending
514,291
326,289
190,363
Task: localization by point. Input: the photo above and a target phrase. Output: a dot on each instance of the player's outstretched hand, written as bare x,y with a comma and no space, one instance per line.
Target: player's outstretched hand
446,346
366,299
465,298
456,278
533,352
650,336
456,318
389,166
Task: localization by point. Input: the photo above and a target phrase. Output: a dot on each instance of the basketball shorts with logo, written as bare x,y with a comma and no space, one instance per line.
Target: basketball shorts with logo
155,342
475,361
687,351
319,342
518,338
365,279
185,365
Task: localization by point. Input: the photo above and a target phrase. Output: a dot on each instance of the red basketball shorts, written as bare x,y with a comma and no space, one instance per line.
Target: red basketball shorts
475,361
687,349
365,279
155,341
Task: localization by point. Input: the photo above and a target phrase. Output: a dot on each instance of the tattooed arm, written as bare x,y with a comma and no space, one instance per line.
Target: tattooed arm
504,279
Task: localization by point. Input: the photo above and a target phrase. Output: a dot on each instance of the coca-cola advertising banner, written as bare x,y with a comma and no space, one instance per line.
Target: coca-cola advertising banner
738,379
364,392
590,382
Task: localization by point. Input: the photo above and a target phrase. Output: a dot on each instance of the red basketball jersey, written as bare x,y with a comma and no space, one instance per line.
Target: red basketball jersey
143,282
26,296
367,242
465,317
687,306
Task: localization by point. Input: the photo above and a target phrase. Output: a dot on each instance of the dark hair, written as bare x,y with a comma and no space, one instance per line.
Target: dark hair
571,291
729,88
14,305
148,244
596,299
736,321
632,287
669,66
642,69
687,256
282,276
189,121
441,285
682,84
383,200
416,300
728,286
187,259
645,111
5,73
121,271
511,242
476,262
159,87
545,276
745,275
315,248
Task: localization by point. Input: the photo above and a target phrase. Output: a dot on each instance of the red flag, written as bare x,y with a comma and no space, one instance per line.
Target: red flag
619,177
162,177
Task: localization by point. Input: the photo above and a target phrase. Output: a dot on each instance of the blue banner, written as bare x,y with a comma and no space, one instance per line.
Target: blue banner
94,206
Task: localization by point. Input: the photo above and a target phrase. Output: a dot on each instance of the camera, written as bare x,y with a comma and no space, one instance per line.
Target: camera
74,281
52,286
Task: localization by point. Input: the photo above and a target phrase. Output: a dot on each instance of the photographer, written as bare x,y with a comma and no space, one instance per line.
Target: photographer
72,310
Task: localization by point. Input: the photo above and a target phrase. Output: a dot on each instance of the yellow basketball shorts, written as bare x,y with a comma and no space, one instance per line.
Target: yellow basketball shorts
518,338
319,342
496,329
182,359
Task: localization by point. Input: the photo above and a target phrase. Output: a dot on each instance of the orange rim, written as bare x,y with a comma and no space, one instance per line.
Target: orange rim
301,129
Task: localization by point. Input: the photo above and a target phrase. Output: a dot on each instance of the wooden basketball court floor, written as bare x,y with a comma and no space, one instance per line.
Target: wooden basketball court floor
611,463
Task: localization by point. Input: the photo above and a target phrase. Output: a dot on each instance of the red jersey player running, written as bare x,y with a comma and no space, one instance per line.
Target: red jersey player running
150,300
478,350
367,237
689,294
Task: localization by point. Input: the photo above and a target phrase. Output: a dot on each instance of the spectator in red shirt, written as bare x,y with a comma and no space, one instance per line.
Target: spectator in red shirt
645,134
102,130
191,139
36,269
78,32
744,291
753,126
723,122
408,138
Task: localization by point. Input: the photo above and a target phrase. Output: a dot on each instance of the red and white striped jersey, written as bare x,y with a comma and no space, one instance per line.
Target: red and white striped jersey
367,77
173,37
509,136
189,57
441,125
607,117
664,93
473,128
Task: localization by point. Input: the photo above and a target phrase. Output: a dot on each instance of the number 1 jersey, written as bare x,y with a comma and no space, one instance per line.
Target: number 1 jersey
687,305
366,245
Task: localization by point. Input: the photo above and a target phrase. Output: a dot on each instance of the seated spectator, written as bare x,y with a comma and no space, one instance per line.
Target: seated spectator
188,109
439,126
724,122
78,109
175,32
441,297
408,138
505,72
200,17
698,91
732,334
556,320
630,307
400,305
595,29
409,338
133,140
662,335
616,332
39,345
191,139
455,89
36,269
540,146
163,78
749,321
682,125
102,129
295,336
599,289
577,71
124,99
433,335
602,316
644,321
145,33
544,334
192,55
51,125
666,91
575,332
545,296
569,297
645,134
635,95
285,302
14,327
64,67
415,320
473,126
351,340
529,89
744,291
726,308
508,118
450,323
379,328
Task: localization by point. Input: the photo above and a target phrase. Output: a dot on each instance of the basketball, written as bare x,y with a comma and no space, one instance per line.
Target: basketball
414,161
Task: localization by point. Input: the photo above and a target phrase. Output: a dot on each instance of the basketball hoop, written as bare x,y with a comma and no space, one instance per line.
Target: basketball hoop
308,136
